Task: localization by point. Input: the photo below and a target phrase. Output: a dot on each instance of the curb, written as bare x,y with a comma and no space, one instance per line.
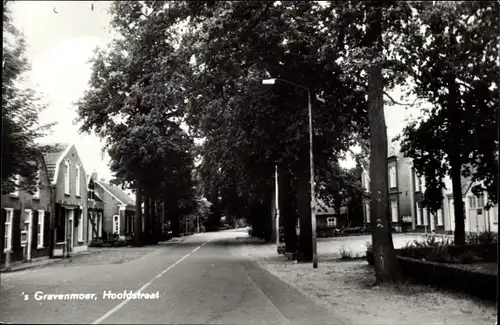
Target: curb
25,266
50,261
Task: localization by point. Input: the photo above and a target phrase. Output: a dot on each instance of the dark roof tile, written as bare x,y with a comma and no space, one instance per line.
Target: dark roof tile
52,157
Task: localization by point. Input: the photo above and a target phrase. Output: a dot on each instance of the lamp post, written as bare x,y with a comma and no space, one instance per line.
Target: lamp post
311,163
277,207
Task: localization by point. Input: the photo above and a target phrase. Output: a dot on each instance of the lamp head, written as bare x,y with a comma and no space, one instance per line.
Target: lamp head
268,81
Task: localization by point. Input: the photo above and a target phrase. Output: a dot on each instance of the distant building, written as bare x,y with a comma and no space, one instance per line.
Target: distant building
68,179
406,193
117,207
399,186
327,217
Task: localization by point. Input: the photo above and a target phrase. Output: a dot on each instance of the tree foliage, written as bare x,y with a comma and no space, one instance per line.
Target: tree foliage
134,101
340,186
21,107
454,65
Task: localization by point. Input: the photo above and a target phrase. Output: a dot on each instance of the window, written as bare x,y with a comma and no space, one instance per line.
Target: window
472,202
41,223
392,176
480,201
394,210
422,184
80,226
331,222
17,179
367,211
7,244
426,216
77,181
417,183
419,213
66,177
439,217
38,180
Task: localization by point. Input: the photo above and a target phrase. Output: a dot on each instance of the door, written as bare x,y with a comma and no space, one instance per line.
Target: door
71,231
26,237
481,220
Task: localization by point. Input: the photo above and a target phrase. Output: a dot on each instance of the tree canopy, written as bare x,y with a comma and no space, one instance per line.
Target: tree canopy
21,106
454,66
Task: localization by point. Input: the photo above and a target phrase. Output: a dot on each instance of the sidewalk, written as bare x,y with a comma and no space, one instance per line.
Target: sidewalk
346,288
46,261
39,262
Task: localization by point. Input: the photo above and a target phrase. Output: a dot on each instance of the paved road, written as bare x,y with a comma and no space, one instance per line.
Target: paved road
202,280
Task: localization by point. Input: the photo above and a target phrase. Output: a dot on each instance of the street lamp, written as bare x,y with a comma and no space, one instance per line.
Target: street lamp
277,207
311,163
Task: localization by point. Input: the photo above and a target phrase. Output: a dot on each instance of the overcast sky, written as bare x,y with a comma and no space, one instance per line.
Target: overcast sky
59,46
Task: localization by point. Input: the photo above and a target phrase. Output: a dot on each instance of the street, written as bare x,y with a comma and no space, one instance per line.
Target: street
201,280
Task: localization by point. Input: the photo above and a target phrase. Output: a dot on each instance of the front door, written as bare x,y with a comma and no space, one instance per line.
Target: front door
26,237
70,230
481,220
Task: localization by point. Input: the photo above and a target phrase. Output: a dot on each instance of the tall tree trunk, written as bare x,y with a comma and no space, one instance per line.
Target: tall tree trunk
174,217
138,216
287,216
305,251
385,262
267,215
456,152
154,216
147,219
456,181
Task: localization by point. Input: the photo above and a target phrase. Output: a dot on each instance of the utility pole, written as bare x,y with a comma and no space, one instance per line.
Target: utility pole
277,207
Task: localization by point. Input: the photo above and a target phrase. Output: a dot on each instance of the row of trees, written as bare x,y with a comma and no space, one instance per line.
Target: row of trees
202,63
134,103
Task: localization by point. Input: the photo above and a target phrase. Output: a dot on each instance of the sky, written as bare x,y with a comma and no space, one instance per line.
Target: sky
59,47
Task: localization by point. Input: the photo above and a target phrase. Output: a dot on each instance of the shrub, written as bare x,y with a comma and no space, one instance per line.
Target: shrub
429,241
487,237
120,243
96,243
345,252
369,246
438,254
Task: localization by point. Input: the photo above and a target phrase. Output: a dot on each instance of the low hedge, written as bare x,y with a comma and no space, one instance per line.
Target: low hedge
414,264
449,276
109,243
452,254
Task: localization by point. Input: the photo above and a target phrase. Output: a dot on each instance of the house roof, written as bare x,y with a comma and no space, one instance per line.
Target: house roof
116,192
393,148
52,158
323,208
97,198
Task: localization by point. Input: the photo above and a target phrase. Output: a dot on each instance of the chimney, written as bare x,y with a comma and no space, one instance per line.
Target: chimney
94,176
